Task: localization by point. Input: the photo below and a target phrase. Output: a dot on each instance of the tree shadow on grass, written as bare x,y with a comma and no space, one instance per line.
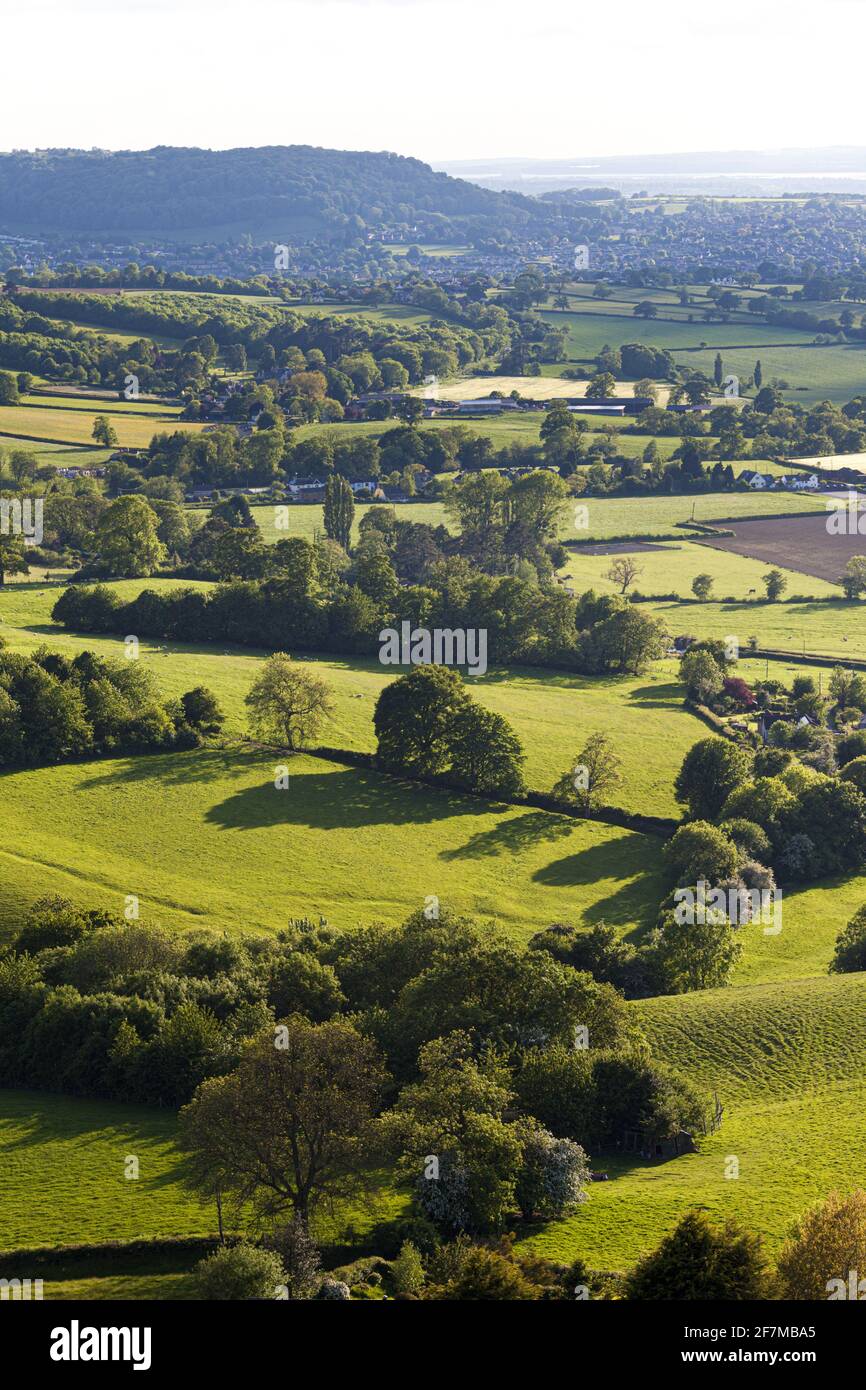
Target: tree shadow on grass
46,1116
343,799
667,696
625,860
513,836
184,768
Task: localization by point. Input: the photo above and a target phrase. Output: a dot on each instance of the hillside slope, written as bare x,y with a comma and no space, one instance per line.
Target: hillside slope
293,189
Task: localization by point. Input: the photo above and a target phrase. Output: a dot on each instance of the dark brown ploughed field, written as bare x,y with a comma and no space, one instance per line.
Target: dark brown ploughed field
796,543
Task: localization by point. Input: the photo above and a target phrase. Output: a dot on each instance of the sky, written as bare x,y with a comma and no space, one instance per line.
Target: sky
438,79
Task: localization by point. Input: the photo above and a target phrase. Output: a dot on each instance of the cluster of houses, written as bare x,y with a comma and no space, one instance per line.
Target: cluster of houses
501,405
81,472
787,482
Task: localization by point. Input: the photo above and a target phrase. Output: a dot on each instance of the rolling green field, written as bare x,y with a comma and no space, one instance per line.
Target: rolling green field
58,455
788,1062
607,516
116,405
553,712
70,425
205,839
825,629
590,328
658,516
307,520
834,372
62,1173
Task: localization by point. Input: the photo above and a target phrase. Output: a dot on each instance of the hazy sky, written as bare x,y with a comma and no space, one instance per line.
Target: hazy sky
440,79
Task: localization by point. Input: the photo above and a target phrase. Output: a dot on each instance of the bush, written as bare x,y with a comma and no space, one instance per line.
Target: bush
553,1175
749,838
850,953
239,1272
700,851
825,1245
851,747
407,1271
701,1261
334,1291
855,771
485,1275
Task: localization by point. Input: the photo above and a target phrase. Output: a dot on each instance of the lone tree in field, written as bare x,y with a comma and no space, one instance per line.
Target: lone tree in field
104,432
287,704
596,770
292,1125
13,559
702,586
414,718
853,580
339,511
775,583
623,571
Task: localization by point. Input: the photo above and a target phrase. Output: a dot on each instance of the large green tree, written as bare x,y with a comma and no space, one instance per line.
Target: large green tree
290,1126
127,539
339,511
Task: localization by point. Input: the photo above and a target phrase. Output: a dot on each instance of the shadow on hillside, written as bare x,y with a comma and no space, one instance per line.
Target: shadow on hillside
346,799
183,768
667,696
615,860
513,836
52,1117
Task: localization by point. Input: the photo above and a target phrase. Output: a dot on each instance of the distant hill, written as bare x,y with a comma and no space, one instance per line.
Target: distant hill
292,190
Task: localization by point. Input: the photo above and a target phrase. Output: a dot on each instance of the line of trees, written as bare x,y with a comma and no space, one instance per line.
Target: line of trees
54,707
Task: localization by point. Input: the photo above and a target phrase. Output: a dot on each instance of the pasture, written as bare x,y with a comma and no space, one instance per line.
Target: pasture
553,712
812,372
787,1062
206,839
591,328
825,629
533,388
62,1173
73,423
656,515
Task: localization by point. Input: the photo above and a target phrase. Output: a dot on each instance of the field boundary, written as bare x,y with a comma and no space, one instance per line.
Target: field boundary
662,826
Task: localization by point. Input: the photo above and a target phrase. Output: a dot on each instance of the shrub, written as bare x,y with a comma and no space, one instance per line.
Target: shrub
407,1271
485,1275
239,1272
700,851
855,771
825,1245
850,953
701,1261
749,838
553,1175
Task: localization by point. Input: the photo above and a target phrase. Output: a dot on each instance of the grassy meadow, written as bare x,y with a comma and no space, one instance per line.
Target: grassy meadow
787,1063
73,423
206,839
553,712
